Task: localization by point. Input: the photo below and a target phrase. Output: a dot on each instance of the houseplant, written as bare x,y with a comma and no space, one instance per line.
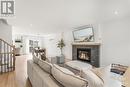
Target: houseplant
61,45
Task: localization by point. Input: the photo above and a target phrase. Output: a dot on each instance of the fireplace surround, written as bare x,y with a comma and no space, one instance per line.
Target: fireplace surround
88,52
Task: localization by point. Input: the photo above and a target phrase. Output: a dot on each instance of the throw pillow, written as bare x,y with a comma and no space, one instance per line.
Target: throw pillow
110,79
45,66
103,73
67,78
43,57
35,59
92,78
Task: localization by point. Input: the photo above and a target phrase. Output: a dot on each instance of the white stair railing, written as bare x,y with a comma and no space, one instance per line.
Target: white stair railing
7,57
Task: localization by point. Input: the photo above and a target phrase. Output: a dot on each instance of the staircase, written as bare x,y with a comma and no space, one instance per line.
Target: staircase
7,57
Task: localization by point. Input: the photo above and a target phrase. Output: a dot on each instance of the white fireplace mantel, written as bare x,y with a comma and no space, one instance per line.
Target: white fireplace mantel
86,43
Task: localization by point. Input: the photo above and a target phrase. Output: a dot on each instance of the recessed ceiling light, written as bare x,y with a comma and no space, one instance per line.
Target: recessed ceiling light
31,25
116,12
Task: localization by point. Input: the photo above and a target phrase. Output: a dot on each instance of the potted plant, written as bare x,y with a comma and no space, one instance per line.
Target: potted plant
61,45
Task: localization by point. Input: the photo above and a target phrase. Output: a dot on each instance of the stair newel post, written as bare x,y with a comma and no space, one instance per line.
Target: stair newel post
14,58
8,58
1,55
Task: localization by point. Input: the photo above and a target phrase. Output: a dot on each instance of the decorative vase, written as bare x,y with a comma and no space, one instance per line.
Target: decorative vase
60,59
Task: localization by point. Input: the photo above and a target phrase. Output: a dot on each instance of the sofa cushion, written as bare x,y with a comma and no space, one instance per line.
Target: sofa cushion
45,66
31,66
39,71
67,78
78,65
110,79
39,77
37,80
126,78
34,73
92,78
50,82
35,59
30,69
99,72
103,73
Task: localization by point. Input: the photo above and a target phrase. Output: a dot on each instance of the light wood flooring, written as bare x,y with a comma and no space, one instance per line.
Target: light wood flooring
18,78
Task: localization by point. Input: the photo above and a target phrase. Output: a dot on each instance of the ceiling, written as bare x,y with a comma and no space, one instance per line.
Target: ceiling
50,16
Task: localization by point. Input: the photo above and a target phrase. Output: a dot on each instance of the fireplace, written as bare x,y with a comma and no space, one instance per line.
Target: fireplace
88,53
84,54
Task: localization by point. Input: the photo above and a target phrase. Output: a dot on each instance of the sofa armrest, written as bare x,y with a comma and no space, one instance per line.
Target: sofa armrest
30,70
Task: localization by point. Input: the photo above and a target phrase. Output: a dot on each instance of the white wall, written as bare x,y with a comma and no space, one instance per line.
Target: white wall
6,32
50,43
116,41
114,36
52,40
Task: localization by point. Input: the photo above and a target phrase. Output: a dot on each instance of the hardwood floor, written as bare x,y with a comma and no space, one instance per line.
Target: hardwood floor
18,78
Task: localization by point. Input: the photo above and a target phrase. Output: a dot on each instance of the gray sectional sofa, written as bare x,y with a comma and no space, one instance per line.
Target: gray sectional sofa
44,74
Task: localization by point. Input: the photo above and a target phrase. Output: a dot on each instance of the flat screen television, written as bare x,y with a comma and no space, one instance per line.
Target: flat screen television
84,34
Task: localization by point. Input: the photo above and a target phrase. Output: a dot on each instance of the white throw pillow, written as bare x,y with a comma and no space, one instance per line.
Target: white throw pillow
45,66
35,59
92,78
67,78
104,74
